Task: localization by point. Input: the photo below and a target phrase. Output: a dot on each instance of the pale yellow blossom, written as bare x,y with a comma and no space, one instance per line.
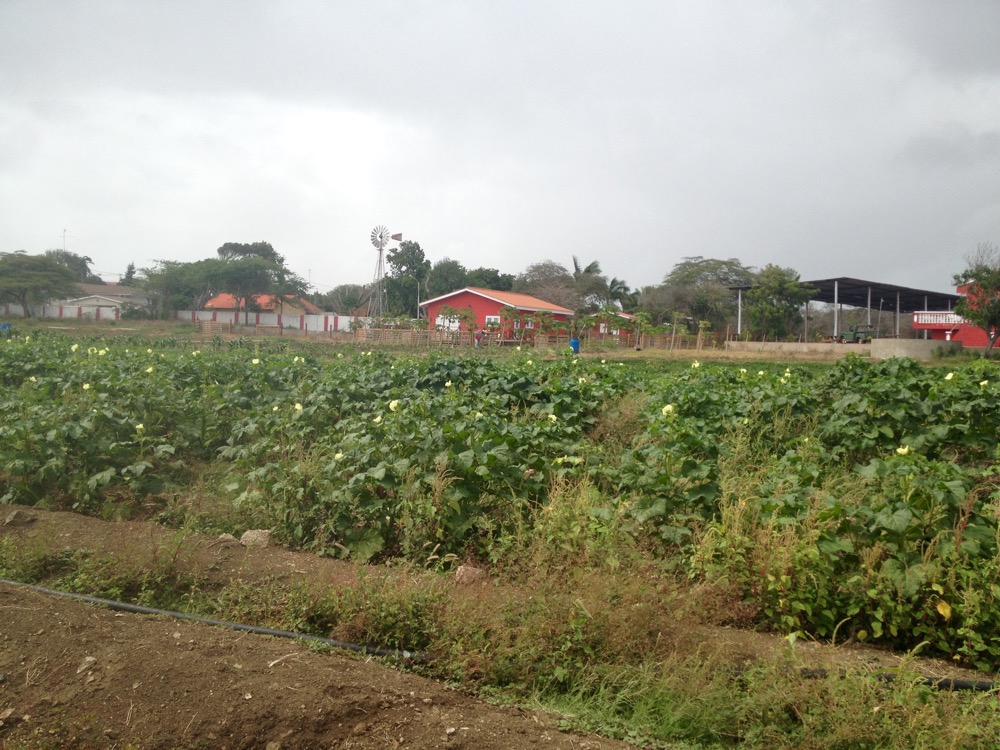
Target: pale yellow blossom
298,407
86,386
140,427
949,376
903,450
393,405
255,361
378,419
553,418
667,410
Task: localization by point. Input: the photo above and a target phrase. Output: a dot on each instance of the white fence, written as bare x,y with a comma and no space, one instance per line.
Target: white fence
65,312
323,323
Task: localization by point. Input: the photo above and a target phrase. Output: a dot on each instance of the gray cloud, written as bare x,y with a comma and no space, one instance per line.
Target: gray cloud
818,136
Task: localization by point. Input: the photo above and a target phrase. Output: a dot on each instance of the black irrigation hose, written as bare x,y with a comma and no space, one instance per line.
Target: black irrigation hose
942,683
117,606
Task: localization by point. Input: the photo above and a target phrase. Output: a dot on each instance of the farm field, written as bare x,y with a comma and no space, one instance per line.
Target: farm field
634,528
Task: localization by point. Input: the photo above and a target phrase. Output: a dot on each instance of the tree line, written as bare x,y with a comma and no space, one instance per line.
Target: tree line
696,289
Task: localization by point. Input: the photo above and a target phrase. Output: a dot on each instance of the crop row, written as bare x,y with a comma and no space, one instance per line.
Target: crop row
857,497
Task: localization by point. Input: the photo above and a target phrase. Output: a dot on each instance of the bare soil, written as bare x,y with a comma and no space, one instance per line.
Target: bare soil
73,675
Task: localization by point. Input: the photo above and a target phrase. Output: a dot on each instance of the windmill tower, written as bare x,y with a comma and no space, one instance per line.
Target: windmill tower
377,300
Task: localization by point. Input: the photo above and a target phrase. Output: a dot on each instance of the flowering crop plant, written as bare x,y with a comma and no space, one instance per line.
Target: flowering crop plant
885,472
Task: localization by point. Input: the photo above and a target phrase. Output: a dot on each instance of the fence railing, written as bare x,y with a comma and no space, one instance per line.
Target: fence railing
937,319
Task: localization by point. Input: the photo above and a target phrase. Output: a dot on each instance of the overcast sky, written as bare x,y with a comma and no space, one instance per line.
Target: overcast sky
838,138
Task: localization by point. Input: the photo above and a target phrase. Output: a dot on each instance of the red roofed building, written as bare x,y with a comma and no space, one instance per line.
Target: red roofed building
490,309
288,305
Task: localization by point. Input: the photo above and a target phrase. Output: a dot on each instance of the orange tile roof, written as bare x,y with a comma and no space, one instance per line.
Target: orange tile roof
511,299
227,301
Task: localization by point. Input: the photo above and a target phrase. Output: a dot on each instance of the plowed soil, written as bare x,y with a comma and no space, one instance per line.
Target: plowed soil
75,675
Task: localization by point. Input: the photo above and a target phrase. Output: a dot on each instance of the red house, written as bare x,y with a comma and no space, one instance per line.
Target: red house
492,310
945,325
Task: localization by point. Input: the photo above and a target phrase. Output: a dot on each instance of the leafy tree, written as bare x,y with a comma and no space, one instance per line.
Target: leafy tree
696,270
129,276
29,280
698,288
343,299
236,250
249,277
551,282
773,304
446,276
980,287
591,285
489,278
408,267
173,285
78,264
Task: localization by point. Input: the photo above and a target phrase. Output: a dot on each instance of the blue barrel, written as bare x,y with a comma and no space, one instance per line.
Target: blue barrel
574,344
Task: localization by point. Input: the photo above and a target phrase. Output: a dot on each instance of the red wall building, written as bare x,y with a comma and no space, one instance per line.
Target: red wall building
486,305
950,326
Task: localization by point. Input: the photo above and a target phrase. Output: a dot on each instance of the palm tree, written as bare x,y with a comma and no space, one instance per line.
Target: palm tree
590,283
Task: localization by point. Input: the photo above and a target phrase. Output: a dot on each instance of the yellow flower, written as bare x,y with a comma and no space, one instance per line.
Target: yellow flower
553,418
667,410
604,361
903,450
274,408
983,383
695,365
149,369
86,386
743,371
949,376
529,362
340,355
576,360
944,609
255,361
296,360
140,427
102,352
448,384
33,379
298,407
518,348
149,351
378,419
581,381
196,352
337,456
393,405
760,372
74,347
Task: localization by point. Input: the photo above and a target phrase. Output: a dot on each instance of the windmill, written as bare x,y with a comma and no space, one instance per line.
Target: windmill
377,301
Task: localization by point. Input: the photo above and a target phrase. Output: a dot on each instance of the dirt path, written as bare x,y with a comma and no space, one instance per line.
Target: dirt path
78,676
74,675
